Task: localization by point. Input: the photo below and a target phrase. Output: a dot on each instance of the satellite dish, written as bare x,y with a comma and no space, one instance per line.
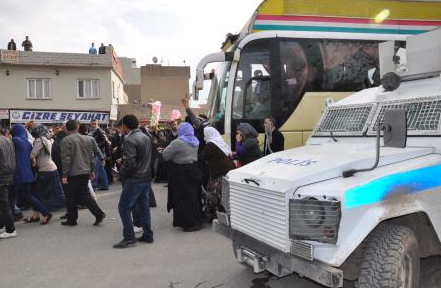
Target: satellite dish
155,60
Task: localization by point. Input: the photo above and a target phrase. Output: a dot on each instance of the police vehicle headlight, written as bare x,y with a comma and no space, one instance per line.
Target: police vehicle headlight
315,220
314,214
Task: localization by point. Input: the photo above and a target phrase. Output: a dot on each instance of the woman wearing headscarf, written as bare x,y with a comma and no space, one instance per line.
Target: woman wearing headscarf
184,179
247,144
217,154
23,176
274,140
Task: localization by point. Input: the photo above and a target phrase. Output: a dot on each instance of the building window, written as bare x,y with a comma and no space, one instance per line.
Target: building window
39,88
88,88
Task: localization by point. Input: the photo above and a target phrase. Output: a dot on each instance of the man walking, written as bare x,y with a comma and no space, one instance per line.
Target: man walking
78,165
7,168
136,177
102,141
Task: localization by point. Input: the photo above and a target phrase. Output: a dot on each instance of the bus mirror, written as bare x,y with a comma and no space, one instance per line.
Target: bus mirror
395,128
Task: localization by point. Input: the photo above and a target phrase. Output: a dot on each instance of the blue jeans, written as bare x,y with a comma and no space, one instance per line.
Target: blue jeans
132,194
100,174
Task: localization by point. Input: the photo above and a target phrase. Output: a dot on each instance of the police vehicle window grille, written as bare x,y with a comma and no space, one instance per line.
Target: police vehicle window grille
344,119
421,116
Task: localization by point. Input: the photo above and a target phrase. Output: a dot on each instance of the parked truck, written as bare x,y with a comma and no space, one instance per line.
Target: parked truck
362,199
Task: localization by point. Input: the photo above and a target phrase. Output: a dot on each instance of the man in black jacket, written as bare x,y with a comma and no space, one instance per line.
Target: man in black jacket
136,177
7,167
12,45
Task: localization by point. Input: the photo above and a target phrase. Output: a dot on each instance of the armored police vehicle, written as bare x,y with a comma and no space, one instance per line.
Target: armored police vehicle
362,200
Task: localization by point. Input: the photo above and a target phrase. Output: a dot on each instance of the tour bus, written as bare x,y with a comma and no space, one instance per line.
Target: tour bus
294,57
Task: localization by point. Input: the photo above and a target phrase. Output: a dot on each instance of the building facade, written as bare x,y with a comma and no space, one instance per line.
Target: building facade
48,87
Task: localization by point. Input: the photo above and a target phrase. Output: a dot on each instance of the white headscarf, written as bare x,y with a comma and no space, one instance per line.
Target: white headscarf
213,136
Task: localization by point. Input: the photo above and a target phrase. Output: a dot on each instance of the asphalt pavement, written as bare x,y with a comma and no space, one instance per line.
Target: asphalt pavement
55,256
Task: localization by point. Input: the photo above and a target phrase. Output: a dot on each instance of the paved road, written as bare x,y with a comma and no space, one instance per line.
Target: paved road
55,256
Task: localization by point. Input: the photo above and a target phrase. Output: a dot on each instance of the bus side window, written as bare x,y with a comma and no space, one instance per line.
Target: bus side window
349,65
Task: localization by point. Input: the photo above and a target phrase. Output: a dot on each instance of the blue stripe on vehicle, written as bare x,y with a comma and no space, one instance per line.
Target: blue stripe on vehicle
408,182
337,29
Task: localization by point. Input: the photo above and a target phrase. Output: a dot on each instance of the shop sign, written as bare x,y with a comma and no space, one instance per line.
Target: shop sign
9,56
51,116
4,114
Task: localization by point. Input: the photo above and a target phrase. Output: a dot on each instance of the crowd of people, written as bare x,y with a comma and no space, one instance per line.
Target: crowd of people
62,166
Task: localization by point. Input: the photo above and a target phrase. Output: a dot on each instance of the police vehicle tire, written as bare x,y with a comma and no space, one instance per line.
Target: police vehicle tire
391,259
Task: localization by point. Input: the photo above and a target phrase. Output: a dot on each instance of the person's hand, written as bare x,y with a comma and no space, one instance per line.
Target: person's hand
114,150
64,180
185,101
92,176
118,161
33,162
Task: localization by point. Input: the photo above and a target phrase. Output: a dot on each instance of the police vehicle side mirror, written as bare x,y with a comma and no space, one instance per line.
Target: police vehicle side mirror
395,128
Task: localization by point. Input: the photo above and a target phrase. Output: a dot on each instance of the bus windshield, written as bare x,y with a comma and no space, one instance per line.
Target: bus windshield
218,95
274,74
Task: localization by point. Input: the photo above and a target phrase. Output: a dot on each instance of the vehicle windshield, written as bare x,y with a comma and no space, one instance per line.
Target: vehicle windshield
273,75
218,95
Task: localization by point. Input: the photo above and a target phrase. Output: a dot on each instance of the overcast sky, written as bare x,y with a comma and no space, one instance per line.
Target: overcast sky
172,30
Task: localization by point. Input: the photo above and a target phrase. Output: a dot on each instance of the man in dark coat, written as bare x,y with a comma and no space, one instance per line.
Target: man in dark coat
102,49
12,45
7,168
136,174
60,133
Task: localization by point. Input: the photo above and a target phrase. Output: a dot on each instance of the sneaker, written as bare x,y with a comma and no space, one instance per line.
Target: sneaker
6,235
2,230
137,229
99,219
124,244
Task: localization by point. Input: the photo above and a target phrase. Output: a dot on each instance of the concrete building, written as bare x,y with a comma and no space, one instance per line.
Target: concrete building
52,87
167,84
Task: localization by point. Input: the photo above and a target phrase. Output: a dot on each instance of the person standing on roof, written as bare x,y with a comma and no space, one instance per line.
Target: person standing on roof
102,49
27,44
12,45
92,49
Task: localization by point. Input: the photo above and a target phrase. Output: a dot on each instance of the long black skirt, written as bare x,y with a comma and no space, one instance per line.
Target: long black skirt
184,194
49,190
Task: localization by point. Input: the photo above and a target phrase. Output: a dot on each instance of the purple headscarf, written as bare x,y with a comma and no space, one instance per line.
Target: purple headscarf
186,134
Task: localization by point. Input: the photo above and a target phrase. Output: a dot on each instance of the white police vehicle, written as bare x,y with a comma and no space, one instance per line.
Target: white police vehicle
362,200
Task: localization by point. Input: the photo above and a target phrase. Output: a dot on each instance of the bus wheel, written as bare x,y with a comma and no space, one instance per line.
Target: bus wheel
391,259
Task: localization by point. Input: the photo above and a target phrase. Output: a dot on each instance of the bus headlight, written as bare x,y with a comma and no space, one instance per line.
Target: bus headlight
315,220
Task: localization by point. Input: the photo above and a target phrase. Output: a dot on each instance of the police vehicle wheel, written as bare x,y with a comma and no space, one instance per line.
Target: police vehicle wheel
391,259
